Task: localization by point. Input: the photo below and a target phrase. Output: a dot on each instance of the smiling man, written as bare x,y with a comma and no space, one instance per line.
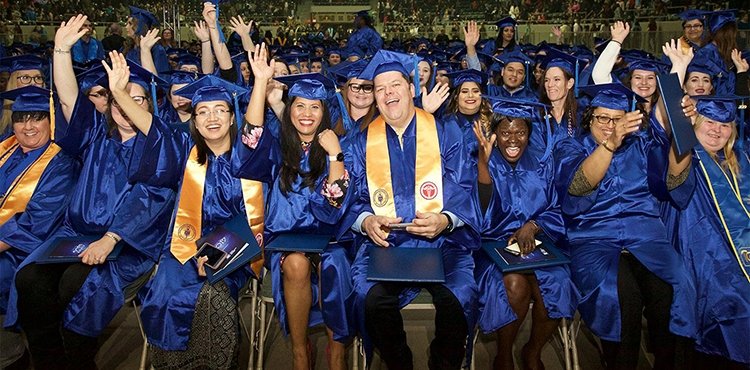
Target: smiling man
409,168
35,179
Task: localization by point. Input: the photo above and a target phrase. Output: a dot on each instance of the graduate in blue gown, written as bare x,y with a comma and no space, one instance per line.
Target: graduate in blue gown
559,88
35,181
365,40
721,40
188,321
713,236
305,170
177,110
358,98
140,25
622,260
520,205
80,299
452,226
513,81
467,105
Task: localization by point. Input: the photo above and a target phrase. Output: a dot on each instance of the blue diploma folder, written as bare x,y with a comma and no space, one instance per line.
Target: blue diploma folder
292,242
670,92
544,255
66,249
422,265
236,239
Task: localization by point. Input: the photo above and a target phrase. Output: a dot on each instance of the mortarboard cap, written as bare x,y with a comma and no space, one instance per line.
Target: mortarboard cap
505,22
516,108
556,58
313,86
90,77
718,19
347,70
387,61
468,75
515,56
181,77
613,96
718,108
24,62
703,65
646,64
28,99
211,88
146,19
188,59
690,14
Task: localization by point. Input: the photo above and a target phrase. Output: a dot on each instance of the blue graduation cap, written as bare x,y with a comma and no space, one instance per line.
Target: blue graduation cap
212,88
28,99
613,96
146,19
703,65
388,61
505,22
600,43
347,70
519,57
468,75
313,86
334,52
720,18
181,77
522,108
691,14
365,13
646,64
188,59
718,108
24,62
90,77
142,77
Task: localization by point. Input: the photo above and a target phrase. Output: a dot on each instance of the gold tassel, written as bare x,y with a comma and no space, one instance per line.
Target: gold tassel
51,115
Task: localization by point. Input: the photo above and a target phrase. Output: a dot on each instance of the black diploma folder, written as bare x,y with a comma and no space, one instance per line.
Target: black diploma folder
421,265
544,255
305,243
66,249
236,239
671,94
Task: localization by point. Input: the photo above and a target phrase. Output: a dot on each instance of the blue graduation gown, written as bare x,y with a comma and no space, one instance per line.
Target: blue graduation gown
724,82
104,200
723,292
525,92
520,194
158,53
456,246
365,39
622,213
301,211
26,230
168,300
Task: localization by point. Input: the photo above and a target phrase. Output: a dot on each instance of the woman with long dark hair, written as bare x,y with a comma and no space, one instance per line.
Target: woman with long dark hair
467,105
558,91
304,167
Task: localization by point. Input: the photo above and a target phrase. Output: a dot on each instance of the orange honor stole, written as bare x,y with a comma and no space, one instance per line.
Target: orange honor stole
187,224
20,191
428,171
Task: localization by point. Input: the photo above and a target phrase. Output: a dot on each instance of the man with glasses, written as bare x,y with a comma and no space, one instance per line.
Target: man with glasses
35,182
87,48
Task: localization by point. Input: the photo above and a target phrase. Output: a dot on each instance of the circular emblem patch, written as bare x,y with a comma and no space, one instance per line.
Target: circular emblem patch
380,198
428,190
186,232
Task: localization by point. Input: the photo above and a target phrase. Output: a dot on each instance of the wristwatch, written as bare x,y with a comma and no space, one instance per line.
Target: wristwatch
336,158
448,228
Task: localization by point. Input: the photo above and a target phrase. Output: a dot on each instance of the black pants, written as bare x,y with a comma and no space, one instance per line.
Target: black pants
44,291
385,327
641,293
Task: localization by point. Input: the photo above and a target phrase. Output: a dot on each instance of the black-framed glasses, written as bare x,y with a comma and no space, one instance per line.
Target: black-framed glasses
692,26
365,88
103,93
606,120
26,79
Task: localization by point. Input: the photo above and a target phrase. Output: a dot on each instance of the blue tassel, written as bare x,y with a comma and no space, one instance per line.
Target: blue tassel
741,132
222,39
153,96
345,117
548,150
575,82
237,117
416,78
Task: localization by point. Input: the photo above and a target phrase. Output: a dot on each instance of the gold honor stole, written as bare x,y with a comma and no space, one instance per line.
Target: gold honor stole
733,214
19,193
187,224
428,171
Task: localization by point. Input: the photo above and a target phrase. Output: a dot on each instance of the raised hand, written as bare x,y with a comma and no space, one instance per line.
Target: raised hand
740,63
619,31
201,31
471,34
119,73
239,25
432,101
70,32
626,125
209,14
150,39
557,32
676,55
262,69
329,141
485,145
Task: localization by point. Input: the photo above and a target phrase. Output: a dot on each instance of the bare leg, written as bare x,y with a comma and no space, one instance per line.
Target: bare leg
298,298
336,353
519,296
542,328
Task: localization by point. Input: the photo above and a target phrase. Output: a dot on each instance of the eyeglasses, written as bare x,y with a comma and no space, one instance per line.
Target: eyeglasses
692,26
606,120
137,99
25,79
99,94
355,88
204,114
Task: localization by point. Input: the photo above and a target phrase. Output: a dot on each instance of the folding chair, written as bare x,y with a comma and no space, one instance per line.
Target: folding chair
131,293
249,291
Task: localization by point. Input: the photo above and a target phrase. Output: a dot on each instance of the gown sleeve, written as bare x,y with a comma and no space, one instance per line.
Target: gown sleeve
159,157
